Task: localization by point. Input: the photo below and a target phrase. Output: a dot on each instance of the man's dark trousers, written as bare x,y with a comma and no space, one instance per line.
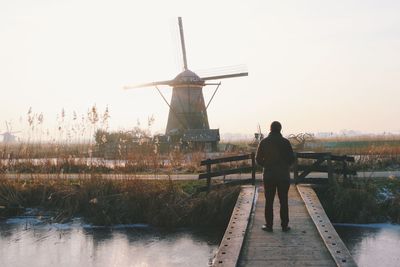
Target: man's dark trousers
270,188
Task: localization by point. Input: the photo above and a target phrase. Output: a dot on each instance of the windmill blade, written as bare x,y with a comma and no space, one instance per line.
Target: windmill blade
225,76
182,43
223,70
169,82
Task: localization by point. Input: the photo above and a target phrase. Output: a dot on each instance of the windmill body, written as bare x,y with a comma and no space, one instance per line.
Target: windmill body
187,119
188,109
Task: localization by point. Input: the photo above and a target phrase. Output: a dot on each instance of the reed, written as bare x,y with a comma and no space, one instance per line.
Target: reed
363,201
164,203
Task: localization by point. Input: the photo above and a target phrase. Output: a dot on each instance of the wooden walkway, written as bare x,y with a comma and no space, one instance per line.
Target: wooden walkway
302,246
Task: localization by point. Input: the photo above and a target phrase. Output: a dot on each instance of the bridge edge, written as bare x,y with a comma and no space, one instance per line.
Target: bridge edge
336,247
231,244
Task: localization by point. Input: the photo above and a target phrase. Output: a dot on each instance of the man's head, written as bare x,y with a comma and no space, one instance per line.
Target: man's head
276,127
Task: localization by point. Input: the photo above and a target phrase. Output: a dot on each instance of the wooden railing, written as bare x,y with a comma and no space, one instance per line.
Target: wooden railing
301,171
210,174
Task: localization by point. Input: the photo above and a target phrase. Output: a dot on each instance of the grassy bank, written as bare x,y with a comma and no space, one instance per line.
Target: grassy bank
366,201
105,202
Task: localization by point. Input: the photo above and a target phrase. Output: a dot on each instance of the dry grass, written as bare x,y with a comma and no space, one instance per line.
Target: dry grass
365,201
105,202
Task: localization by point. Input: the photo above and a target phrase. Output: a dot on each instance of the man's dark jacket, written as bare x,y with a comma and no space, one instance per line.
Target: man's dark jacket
275,154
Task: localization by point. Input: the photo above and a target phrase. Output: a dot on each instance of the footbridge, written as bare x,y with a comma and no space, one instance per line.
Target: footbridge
312,241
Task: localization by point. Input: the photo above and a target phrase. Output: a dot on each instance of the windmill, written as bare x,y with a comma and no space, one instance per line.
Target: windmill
187,118
258,136
8,136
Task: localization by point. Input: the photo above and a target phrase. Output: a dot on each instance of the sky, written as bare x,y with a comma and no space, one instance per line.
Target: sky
316,66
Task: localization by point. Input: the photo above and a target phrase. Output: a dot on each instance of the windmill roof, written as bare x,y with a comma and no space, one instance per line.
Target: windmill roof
188,77
201,135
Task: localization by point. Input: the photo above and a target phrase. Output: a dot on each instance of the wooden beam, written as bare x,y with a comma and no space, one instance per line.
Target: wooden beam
225,172
325,169
226,159
253,168
311,168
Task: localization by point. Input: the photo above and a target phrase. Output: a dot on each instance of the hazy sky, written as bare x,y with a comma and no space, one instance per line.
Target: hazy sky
317,66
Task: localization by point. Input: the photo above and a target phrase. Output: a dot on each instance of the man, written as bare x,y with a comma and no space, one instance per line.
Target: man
275,154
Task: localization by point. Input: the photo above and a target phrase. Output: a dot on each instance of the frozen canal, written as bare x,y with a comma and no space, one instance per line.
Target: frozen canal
26,241
372,244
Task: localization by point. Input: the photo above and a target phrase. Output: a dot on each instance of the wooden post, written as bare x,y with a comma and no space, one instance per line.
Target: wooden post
253,171
296,168
345,181
330,170
208,177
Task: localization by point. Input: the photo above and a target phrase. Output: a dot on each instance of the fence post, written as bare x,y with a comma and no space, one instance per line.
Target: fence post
208,177
345,181
296,168
330,170
253,171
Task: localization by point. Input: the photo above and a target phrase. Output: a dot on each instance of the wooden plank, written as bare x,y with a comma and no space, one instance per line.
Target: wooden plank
332,241
342,158
253,168
296,168
302,246
226,159
231,244
308,169
310,155
225,172
325,169
284,263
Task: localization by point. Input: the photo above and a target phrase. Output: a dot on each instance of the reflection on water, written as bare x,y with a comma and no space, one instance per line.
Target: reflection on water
30,242
372,244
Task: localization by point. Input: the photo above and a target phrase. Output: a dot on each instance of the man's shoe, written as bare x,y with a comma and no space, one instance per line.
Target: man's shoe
266,228
286,228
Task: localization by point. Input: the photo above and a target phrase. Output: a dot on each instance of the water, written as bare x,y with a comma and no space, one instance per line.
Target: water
372,244
27,241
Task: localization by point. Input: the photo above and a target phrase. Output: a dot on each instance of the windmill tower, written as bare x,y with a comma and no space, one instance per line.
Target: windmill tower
9,135
187,118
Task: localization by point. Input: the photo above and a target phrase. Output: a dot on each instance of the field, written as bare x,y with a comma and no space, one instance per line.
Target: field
139,153
372,153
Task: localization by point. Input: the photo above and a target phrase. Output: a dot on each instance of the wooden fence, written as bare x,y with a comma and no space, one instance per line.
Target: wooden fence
210,174
323,163
301,171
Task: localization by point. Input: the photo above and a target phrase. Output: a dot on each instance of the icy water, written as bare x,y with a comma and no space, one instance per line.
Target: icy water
26,241
372,244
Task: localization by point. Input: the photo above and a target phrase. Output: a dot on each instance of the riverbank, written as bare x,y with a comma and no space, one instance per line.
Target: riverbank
163,203
362,201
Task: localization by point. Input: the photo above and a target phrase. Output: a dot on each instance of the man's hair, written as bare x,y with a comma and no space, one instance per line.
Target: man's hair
276,127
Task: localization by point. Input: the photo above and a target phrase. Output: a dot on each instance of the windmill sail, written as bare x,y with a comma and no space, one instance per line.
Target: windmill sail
182,44
151,84
220,77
